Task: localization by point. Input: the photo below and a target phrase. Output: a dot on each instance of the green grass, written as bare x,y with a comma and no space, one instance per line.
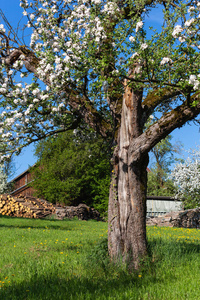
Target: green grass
51,259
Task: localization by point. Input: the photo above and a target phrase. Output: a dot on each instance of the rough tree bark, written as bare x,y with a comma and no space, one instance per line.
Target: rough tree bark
127,201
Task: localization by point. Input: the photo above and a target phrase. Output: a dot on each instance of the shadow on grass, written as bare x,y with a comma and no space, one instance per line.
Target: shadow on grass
71,287
102,282
36,223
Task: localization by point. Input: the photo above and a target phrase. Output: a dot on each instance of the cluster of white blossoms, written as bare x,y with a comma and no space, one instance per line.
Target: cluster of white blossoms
193,80
67,43
177,30
132,39
165,60
190,27
111,8
190,30
36,111
2,29
186,177
139,25
144,46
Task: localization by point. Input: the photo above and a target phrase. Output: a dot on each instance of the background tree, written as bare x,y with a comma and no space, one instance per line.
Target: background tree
73,168
97,61
155,189
186,178
164,155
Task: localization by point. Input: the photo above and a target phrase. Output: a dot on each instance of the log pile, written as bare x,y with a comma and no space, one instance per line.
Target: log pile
82,212
25,206
189,218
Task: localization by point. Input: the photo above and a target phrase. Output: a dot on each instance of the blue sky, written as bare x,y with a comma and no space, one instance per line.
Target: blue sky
188,135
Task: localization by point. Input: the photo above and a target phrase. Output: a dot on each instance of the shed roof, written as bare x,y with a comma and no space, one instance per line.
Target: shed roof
23,173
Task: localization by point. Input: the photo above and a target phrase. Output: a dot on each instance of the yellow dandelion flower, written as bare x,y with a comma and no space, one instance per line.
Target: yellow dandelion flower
139,275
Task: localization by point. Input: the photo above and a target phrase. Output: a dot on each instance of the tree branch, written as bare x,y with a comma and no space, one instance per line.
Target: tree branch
157,96
159,130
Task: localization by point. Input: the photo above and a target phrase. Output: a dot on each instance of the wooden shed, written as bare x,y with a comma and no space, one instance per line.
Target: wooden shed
21,184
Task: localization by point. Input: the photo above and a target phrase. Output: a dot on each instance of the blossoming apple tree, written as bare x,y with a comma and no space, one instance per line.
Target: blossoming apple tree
98,62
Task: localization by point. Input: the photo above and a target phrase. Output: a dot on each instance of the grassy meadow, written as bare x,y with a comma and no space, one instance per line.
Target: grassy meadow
52,259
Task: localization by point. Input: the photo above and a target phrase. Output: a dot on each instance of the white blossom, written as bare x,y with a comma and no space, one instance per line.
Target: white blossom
139,25
165,60
177,29
132,39
2,29
2,90
32,16
191,8
181,39
189,22
144,46
192,79
96,1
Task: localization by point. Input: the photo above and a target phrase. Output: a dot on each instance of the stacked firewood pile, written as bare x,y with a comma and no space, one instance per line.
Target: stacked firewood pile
25,206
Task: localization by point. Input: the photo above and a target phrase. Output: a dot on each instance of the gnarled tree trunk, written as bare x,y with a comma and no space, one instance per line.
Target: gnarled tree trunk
127,200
